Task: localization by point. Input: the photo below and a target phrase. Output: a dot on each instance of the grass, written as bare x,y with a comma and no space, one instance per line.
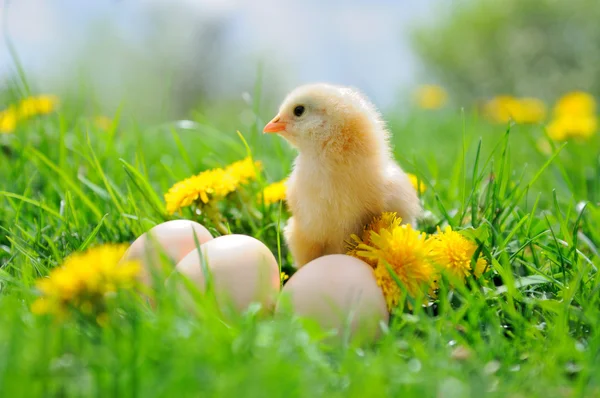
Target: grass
531,330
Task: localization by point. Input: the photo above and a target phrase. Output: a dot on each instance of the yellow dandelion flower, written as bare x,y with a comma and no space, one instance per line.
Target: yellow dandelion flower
38,105
8,120
558,129
274,193
42,306
406,252
453,252
532,110
210,185
574,117
418,185
65,282
572,127
501,109
505,108
84,279
28,107
431,96
201,188
386,221
577,103
244,170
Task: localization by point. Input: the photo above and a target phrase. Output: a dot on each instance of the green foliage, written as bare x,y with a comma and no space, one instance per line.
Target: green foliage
538,48
531,329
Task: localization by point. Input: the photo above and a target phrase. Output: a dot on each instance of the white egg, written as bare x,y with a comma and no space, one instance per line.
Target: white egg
340,293
173,238
242,271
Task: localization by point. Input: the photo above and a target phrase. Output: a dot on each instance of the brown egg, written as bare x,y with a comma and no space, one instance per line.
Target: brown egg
338,292
242,271
173,238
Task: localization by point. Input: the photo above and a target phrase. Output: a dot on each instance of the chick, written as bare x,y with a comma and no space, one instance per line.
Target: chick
344,174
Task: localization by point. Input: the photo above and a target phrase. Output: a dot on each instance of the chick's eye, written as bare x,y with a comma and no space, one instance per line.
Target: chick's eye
299,110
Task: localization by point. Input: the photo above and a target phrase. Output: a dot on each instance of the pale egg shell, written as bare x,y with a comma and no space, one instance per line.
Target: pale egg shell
338,292
242,270
175,239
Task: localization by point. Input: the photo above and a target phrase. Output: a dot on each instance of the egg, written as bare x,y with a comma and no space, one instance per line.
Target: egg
173,238
340,293
242,271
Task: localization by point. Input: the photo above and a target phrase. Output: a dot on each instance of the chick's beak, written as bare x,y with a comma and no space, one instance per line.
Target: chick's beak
275,125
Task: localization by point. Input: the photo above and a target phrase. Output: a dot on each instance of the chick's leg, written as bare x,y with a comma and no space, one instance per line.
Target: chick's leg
303,248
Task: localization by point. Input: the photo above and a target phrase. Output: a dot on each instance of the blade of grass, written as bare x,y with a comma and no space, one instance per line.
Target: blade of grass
93,234
67,180
32,202
144,187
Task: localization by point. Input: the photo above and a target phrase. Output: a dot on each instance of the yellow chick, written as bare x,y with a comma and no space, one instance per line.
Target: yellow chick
345,173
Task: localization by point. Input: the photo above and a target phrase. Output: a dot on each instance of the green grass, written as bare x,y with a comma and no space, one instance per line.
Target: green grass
532,330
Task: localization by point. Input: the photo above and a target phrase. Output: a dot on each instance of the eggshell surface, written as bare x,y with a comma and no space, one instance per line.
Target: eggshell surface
338,292
174,238
242,271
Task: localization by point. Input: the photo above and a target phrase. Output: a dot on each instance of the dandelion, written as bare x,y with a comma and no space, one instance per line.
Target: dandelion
406,252
243,171
501,109
8,120
202,188
577,103
210,185
28,107
572,127
505,108
387,221
274,193
84,280
414,258
533,110
418,185
453,253
431,96
38,105
574,117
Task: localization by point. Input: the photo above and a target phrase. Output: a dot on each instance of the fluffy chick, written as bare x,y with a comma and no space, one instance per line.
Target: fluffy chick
344,174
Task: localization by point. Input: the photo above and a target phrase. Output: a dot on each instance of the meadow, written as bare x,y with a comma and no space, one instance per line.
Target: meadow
528,328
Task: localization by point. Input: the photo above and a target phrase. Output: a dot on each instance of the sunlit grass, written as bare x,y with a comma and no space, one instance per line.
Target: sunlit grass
532,329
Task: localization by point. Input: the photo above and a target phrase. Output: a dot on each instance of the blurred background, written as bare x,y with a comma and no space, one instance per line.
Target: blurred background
164,58
169,56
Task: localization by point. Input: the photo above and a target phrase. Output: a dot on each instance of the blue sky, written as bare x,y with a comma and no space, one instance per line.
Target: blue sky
355,42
